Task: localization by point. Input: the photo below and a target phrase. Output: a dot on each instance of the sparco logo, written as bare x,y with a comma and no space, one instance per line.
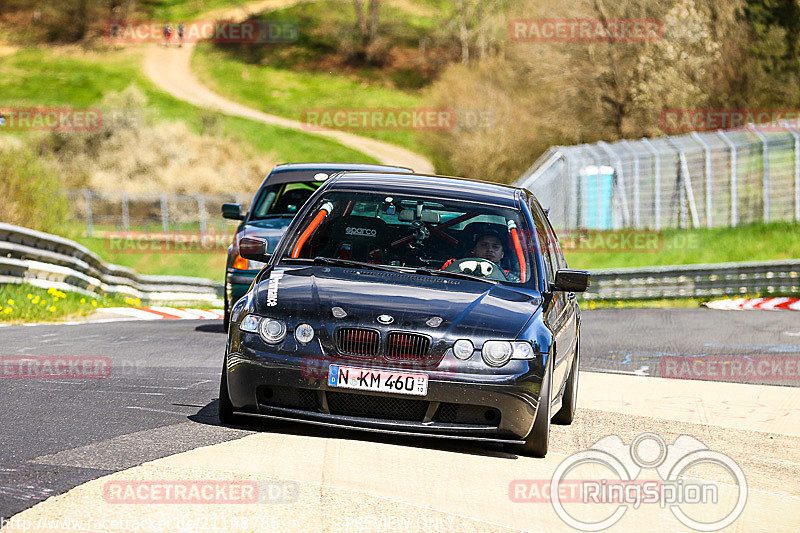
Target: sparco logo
364,232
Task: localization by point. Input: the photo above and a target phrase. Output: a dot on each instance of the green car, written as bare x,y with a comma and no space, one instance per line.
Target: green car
283,192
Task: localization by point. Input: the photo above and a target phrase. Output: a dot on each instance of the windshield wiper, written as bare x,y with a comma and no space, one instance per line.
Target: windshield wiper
456,275
348,263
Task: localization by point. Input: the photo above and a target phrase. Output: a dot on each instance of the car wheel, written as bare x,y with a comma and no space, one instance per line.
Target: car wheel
537,441
569,402
226,415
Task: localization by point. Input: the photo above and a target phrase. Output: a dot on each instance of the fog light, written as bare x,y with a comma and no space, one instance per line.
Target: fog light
304,333
272,331
250,323
496,353
463,349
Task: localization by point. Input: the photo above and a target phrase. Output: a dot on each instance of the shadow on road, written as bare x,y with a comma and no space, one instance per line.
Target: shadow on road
210,328
209,415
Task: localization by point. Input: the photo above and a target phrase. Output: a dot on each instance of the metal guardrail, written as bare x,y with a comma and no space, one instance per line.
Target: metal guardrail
764,278
46,260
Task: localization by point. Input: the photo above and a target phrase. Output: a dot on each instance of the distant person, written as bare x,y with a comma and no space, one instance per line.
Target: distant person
167,34
181,32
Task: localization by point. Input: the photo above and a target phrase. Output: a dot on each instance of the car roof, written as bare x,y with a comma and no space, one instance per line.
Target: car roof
294,172
428,185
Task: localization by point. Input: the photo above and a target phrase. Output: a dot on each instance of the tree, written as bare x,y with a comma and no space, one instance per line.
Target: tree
367,17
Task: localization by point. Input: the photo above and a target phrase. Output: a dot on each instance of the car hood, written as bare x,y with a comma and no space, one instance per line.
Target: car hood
441,307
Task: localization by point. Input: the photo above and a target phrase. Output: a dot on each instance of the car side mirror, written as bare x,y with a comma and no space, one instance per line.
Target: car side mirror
570,280
232,211
254,249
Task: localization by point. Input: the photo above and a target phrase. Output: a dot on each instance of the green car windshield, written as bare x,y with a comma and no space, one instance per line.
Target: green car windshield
283,199
396,230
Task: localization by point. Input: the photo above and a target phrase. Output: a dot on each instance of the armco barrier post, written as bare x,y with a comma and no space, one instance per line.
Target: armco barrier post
707,165
765,156
201,212
734,179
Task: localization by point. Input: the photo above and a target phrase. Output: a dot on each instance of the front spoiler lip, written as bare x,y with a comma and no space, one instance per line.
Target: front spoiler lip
341,422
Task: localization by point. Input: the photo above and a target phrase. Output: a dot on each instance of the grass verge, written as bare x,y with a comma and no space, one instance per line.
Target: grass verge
72,77
756,242
321,69
205,264
21,303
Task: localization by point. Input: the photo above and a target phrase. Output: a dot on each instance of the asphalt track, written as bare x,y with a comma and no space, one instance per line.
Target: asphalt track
159,404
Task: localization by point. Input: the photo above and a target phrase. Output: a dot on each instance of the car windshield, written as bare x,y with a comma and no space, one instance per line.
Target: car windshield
283,199
433,235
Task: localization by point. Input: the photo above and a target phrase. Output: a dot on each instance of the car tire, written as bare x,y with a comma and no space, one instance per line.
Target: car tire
537,441
226,415
569,401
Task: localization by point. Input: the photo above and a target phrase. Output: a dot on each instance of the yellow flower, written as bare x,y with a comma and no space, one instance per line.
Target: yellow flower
7,311
83,300
94,303
43,302
11,302
35,301
52,308
30,296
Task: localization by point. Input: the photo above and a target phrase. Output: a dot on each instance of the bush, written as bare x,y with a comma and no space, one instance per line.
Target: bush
30,189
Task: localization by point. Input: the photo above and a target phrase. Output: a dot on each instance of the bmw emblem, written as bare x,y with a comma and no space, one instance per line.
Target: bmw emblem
385,319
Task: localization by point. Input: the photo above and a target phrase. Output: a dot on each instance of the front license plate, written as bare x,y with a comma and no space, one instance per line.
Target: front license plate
348,377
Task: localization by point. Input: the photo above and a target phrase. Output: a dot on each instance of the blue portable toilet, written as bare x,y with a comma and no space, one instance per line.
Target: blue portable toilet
596,187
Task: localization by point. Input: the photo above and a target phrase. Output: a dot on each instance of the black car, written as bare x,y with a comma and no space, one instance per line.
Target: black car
277,201
425,305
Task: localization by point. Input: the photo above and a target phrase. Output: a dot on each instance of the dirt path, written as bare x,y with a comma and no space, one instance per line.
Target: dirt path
170,70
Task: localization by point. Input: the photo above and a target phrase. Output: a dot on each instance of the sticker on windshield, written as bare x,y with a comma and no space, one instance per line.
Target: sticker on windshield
272,287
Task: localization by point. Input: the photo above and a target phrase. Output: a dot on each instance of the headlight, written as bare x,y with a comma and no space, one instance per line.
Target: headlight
496,353
522,350
304,333
463,349
272,331
250,323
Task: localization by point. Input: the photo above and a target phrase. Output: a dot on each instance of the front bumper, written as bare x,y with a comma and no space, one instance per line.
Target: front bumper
457,405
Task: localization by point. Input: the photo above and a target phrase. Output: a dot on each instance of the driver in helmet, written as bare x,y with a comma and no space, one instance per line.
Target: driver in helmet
489,246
